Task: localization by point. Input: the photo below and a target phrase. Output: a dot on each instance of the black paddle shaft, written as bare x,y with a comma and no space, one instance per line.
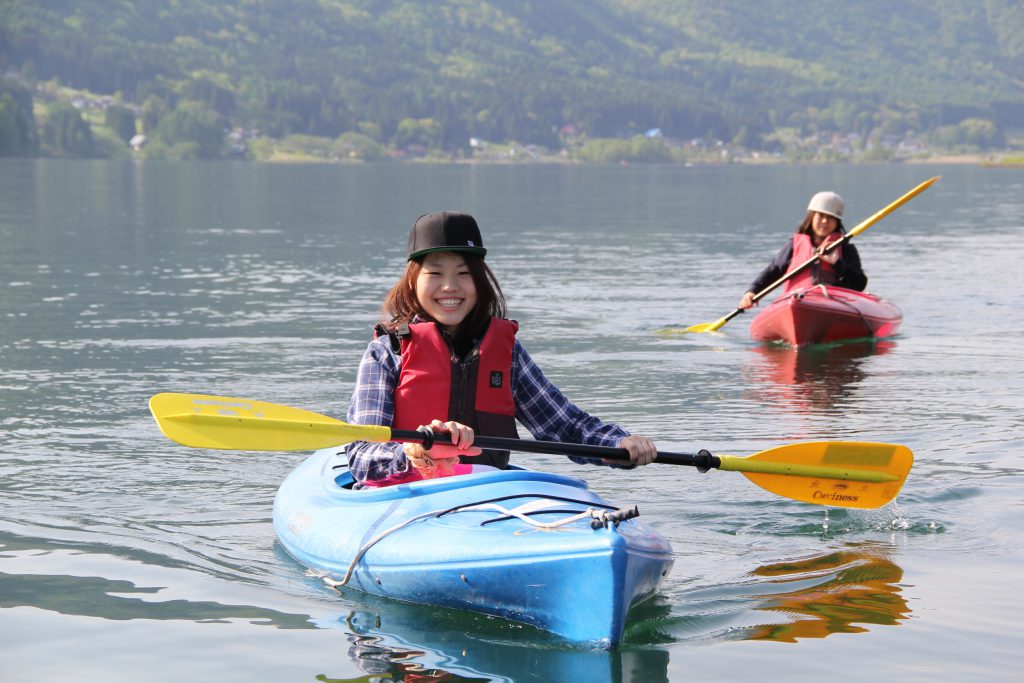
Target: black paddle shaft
702,460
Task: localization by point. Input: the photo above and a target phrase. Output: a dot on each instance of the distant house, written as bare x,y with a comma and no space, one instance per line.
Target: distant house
415,150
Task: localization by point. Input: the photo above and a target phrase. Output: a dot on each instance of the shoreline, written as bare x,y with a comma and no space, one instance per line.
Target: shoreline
1008,161
986,160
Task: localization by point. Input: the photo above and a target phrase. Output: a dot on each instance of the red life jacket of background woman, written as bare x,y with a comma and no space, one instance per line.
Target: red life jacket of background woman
820,273
476,391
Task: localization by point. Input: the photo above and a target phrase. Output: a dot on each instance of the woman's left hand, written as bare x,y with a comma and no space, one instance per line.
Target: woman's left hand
642,450
461,435
445,452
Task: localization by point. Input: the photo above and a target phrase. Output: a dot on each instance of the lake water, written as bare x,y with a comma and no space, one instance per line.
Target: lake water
124,557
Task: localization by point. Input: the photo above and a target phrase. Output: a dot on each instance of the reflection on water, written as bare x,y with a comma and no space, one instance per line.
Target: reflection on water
839,592
105,598
401,642
384,662
69,581
811,379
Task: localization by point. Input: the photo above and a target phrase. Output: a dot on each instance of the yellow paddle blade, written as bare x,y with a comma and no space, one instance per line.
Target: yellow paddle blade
840,474
707,327
241,424
698,328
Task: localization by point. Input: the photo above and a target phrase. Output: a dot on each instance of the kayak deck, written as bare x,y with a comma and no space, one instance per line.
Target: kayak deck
823,314
530,546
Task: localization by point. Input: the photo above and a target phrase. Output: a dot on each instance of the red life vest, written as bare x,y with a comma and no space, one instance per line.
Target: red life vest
820,273
476,391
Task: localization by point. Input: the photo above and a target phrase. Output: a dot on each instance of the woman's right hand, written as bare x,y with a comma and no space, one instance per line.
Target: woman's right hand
442,457
747,301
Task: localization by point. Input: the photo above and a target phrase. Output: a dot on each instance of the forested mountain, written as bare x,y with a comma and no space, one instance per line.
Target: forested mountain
439,73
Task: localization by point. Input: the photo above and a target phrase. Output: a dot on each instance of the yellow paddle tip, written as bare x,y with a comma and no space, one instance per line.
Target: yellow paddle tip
700,328
692,329
227,423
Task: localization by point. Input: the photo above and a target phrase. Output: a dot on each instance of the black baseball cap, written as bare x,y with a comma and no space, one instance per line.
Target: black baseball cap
445,231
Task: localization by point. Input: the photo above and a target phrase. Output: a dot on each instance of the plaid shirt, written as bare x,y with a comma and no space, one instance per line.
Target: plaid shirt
540,407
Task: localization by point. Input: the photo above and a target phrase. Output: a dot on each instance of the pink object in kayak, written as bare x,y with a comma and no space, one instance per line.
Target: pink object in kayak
412,475
822,314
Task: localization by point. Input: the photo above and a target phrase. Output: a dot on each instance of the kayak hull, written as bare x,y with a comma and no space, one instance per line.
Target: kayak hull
421,542
821,314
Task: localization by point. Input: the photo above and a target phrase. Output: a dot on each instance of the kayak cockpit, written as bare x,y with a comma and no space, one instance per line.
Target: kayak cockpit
338,481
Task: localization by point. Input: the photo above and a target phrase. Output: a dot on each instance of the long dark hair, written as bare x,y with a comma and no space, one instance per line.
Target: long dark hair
805,227
401,305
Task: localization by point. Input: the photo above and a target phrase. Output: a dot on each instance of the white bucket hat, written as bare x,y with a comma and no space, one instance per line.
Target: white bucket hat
828,203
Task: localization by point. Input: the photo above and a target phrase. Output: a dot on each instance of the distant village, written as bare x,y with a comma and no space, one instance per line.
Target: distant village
651,145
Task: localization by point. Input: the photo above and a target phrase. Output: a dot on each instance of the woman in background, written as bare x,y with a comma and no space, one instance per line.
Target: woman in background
822,225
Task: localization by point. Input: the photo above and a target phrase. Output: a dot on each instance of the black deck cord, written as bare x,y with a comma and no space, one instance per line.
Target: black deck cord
527,495
527,514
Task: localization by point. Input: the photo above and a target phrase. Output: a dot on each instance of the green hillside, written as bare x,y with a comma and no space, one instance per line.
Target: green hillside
435,74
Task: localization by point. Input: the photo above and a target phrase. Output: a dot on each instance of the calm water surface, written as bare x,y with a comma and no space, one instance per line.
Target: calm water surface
124,557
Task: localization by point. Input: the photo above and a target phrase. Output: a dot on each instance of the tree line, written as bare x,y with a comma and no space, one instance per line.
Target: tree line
390,75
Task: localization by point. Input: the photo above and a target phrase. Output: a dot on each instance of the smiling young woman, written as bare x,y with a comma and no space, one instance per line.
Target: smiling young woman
447,357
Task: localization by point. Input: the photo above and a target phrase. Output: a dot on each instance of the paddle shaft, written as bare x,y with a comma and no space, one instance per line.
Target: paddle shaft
702,460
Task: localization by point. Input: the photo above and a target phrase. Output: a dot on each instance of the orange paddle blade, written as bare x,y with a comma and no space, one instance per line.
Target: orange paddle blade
839,474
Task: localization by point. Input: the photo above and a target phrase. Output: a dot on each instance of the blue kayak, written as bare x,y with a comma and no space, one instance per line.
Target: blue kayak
530,546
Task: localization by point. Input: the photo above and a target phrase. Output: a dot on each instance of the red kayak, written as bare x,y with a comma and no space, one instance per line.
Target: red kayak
822,314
